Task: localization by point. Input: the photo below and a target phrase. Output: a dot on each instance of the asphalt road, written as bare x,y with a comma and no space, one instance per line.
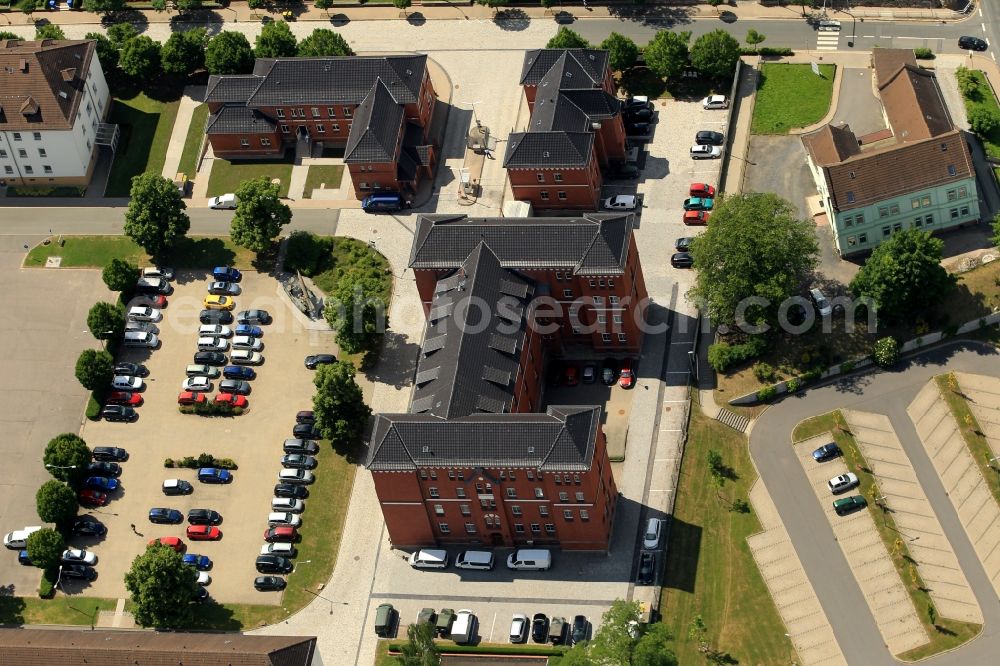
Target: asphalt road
887,393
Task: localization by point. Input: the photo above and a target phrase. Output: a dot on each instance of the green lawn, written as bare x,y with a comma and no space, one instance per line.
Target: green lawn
96,251
227,175
59,610
350,256
790,96
981,96
947,633
145,132
327,175
980,449
195,134
709,568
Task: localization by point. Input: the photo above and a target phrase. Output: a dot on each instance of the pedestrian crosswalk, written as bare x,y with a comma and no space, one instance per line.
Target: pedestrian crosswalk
827,41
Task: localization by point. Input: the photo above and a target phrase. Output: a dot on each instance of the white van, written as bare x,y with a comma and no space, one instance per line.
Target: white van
141,339
464,628
429,558
18,539
475,559
528,559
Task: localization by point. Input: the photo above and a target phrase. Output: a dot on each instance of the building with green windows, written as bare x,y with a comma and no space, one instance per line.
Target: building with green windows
916,173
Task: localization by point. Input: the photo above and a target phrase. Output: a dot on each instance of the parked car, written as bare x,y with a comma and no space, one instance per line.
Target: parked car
305,416
24,559
246,357
296,476
638,115
246,342
445,619
196,369
539,627
427,616
191,398
624,171
132,369
213,344
248,329
203,578
637,127
282,548
177,487
519,628
78,556
626,378
681,260
637,102
119,413
839,484
164,272
89,526
253,317
306,431
102,483
282,533
276,518
274,564
715,102
200,596
143,313
701,190
970,43
237,386
291,490
312,362
129,398
232,399
238,372
578,632
621,202
823,306
221,288
223,202
199,562
288,504
203,533
269,583
297,445
214,475
826,452
298,461
226,274
210,358
696,218
214,330
698,203
570,377
709,138
140,327
589,373
609,373
126,383
104,469
169,541
847,505
683,244
204,517
164,516
701,152
651,537
215,317
197,384
110,453
647,569
214,302
81,571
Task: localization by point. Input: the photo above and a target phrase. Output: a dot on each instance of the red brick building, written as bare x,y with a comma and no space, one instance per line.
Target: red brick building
377,108
476,460
575,130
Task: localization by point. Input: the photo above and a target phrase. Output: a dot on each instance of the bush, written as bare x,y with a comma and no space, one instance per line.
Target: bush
203,460
764,372
767,394
169,462
766,51
47,586
93,406
722,355
740,506
885,352
923,54
308,253
211,409
811,375
847,366
793,384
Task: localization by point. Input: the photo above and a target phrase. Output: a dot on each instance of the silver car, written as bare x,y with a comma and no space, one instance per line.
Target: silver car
245,357
144,313
126,383
197,384
214,331
246,342
212,344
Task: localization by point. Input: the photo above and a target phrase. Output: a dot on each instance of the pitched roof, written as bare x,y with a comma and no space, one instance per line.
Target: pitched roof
886,62
239,119
586,67
531,150
914,105
593,243
231,89
561,439
378,121
831,144
43,647
42,83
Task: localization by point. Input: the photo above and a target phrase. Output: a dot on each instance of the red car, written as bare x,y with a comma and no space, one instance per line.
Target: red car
696,218
283,533
232,399
570,377
124,398
160,301
169,542
627,377
203,533
92,498
191,398
702,190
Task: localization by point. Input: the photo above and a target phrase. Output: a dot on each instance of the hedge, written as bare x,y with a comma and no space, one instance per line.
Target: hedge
211,409
766,51
722,355
203,460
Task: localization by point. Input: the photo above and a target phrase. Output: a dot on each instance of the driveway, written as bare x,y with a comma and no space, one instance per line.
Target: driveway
859,107
778,164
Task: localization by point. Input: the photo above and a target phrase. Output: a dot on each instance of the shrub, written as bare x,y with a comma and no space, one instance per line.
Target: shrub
169,462
203,460
308,253
47,586
793,384
740,506
766,51
93,407
950,331
923,54
211,409
811,375
885,352
722,355
764,372
767,394
847,366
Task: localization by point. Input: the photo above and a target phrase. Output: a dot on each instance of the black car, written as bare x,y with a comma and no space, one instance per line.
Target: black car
306,431
578,632
78,571
131,369
609,371
201,595
216,317
301,446
636,103
237,386
209,358
104,469
177,487
683,244
274,564
292,491
269,583
89,526
253,317
681,260
647,569
110,453
826,452
539,627
120,413
638,114
972,43
707,138
319,359
162,516
637,128
305,416
204,517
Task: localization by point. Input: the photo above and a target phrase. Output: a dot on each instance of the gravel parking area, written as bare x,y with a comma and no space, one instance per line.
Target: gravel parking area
874,571
282,387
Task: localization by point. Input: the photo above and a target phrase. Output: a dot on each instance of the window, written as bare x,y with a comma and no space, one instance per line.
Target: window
611,285
302,112
451,475
540,177
863,239
531,475
579,497
245,142
320,129
536,528
281,113
264,141
918,221
616,319
46,168
897,227
470,528
928,219
883,211
459,492
606,337
561,195
464,508
557,478
952,195
434,474
848,221
612,299
850,197
479,488
539,493
439,509
576,479
954,213
886,232
3,153
37,136
567,293
557,177
515,509
550,528
21,152
584,514
17,136
951,170
510,474
925,201
598,300
423,474
962,192
622,337
8,169
444,528
602,319
90,110
347,112
433,492
461,475
852,241
511,492
563,497
965,211
519,528
28,169
544,195
543,510
331,112
284,128
315,112
42,153
335,127
851,174
567,514
944,147
859,218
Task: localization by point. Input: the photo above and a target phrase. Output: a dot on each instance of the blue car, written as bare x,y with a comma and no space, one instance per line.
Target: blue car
252,331
101,483
165,516
826,452
199,562
214,475
22,558
238,372
226,274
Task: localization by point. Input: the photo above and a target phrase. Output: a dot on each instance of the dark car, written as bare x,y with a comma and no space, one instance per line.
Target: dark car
319,359
681,260
647,569
624,171
707,138
274,564
226,274
570,375
81,571
238,372
209,358
306,431
131,369
826,452
298,461
305,416
104,469
306,446
214,475
249,330
92,498
553,374
24,559
253,317
683,244
291,491
589,373
237,386
103,483
89,526
846,505
204,517
110,453
636,103
638,114
162,516
269,583
539,627
119,413
578,631
201,595
972,43
177,487
637,128
215,317
609,372
199,562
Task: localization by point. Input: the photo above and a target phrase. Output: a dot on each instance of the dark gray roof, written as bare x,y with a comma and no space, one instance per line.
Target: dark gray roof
378,120
585,67
231,88
239,119
561,439
474,336
332,80
594,243
533,150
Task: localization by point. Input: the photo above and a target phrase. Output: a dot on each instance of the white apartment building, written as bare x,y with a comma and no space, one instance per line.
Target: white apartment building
53,101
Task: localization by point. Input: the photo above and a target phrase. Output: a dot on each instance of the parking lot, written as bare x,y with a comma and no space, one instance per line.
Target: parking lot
283,386
616,403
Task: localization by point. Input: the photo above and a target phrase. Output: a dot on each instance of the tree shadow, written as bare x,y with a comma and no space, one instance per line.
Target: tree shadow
339,20
944,630
201,253
214,616
11,607
416,19
512,20
657,16
133,16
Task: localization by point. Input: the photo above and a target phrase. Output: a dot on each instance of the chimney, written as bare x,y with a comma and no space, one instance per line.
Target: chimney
22,65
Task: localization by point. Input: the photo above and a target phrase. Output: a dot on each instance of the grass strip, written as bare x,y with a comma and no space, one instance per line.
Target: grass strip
978,446
192,142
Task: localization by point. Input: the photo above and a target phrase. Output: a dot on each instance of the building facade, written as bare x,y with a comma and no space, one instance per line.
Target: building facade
918,173
378,109
53,101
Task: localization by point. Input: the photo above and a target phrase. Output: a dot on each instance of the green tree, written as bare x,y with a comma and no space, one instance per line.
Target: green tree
578,655
614,643
983,120
162,588
885,352
653,648
120,274
904,276
547,3
155,218
159,5
622,51
229,53
260,214
184,52
104,317
107,52
184,6
49,31
45,548
103,6
996,230
753,247
66,457
420,648
567,39
715,54
55,502
402,4
276,41
667,53
324,42
356,312
95,369
341,412
120,33
7,34
27,6
493,4
140,58
322,4
754,38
